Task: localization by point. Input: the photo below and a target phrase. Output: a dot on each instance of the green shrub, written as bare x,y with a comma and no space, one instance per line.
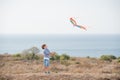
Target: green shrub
64,57
112,56
30,56
77,62
118,59
88,57
55,57
60,57
107,57
36,57
31,53
72,58
17,55
65,62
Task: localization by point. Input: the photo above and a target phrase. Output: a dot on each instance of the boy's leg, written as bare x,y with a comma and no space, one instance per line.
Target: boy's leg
46,66
48,69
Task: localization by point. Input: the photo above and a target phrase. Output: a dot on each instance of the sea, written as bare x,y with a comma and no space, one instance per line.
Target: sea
71,44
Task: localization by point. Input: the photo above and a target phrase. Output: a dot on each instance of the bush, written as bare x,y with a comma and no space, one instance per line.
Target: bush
30,56
55,57
88,57
36,57
107,57
72,58
27,56
65,62
17,55
112,56
64,57
77,62
118,59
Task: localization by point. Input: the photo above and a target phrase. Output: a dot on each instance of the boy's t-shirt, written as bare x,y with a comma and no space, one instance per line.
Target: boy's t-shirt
46,54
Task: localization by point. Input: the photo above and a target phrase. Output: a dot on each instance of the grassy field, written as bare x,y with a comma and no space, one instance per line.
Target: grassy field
76,68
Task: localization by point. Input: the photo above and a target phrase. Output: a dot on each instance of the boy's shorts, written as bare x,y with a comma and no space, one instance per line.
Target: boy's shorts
46,62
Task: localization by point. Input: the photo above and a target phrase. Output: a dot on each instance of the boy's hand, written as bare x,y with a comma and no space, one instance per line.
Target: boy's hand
52,53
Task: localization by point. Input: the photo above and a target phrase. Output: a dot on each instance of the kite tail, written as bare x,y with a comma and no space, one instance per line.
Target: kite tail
82,27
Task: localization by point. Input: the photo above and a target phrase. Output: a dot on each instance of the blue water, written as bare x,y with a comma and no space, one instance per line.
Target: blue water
74,45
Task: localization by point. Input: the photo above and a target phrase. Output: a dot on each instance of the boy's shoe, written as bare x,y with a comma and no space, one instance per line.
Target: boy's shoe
48,72
45,72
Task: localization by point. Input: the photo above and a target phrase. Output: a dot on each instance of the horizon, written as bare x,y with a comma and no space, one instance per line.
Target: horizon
57,34
75,45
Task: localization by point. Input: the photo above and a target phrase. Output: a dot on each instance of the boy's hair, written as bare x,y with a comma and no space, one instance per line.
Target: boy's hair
43,46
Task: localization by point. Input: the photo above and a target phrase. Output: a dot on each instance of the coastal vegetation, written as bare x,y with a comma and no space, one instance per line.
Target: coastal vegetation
28,65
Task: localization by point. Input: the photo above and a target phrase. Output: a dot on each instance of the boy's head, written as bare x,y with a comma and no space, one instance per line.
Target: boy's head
44,46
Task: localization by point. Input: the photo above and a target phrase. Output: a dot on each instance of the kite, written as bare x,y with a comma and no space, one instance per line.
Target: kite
75,24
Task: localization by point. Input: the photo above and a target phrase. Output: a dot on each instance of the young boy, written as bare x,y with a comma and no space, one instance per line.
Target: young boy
47,54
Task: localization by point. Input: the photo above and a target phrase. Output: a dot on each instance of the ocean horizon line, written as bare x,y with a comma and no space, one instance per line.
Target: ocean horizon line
70,44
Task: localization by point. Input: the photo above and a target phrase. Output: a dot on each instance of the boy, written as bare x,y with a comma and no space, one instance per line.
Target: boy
47,54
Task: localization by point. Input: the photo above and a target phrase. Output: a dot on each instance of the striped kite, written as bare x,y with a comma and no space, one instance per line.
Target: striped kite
75,24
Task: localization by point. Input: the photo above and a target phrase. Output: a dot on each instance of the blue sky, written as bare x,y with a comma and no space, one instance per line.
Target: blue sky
52,16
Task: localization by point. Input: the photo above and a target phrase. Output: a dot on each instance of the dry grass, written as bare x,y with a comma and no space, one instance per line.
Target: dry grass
73,69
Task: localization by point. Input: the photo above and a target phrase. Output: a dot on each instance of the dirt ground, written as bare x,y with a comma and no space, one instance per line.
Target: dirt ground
60,76
73,69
